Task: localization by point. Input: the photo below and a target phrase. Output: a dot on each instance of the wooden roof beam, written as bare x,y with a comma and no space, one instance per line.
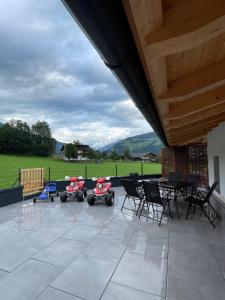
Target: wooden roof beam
197,104
211,120
195,126
188,138
200,116
195,84
187,25
182,134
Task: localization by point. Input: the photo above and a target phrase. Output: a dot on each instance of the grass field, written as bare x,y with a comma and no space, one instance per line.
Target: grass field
10,164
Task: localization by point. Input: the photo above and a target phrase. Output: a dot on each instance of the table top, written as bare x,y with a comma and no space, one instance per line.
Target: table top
171,184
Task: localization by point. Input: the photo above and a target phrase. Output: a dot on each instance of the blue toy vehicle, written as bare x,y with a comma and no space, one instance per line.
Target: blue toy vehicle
48,193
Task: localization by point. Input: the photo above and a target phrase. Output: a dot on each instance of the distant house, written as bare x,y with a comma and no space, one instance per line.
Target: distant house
151,157
82,151
145,157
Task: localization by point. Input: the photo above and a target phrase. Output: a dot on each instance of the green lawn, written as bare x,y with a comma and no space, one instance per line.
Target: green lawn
10,164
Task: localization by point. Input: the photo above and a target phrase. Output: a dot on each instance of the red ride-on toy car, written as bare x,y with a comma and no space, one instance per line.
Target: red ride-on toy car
76,189
102,192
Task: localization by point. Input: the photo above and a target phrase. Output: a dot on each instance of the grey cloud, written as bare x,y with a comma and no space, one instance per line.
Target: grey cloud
48,69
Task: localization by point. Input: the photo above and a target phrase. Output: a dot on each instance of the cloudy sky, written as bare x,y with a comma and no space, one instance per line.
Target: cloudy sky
49,71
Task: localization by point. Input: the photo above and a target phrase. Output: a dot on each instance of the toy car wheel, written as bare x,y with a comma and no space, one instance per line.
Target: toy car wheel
63,197
52,199
80,196
34,200
109,200
91,200
113,194
85,192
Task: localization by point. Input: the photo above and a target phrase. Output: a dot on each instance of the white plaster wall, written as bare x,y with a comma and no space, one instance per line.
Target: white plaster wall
216,147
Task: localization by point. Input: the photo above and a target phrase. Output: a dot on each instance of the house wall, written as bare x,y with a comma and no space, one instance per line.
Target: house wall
216,147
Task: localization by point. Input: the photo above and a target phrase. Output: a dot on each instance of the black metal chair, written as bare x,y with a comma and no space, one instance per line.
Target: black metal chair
154,198
194,181
203,201
132,193
135,177
174,177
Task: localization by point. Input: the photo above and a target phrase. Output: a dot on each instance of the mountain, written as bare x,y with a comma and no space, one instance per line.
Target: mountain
139,144
1,124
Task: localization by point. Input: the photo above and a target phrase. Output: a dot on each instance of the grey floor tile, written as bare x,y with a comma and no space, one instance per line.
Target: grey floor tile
48,234
12,257
153,229
27,281
147,245
120,230
61,252
190,242
3,273
142,272
106,247
179,289
188,226
53,294
116,291
85,277
219,252
199,273
83,233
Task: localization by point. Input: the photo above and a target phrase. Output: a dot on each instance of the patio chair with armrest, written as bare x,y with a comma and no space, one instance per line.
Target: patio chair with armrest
133,194
154,198
203,201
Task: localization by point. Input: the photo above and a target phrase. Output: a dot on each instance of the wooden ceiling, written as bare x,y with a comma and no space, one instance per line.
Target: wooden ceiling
181,44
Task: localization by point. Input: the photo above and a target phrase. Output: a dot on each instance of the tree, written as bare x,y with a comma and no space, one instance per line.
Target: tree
42,142
15,138
104,155
126,153
70,151
114,155
94,154
23,137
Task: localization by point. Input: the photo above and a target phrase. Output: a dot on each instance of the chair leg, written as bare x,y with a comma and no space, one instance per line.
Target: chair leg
175,202
143,204
139,205
124,202
170,210
161,216
189,207
153,210
207,216
218,216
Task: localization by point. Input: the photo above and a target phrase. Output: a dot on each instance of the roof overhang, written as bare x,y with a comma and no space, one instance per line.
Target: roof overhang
181,44
106,25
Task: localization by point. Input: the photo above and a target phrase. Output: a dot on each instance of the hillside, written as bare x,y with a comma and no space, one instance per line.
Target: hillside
143,143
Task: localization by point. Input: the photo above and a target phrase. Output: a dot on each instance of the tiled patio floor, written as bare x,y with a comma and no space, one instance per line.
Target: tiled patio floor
73,251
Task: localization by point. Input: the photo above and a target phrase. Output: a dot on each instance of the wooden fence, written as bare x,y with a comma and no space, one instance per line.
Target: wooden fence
32,180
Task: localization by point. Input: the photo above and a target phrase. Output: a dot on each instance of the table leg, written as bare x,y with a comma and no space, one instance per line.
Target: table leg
175,202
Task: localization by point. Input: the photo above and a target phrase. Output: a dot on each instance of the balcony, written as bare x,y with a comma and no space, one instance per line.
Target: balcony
73,251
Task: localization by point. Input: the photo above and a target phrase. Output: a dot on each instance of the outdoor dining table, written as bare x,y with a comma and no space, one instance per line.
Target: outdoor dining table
176,187
173,188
